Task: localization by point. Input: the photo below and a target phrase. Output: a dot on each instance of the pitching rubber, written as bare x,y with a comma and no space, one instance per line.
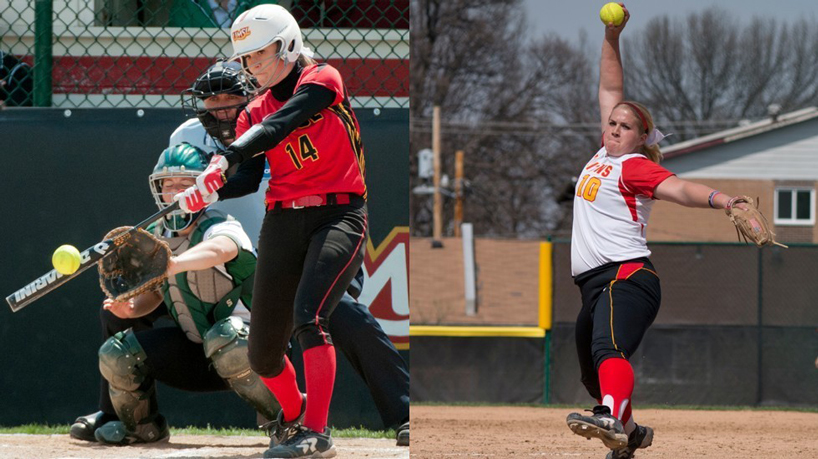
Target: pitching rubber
611,439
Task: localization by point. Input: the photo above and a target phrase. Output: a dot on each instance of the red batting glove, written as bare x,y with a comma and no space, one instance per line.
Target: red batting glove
191,200
213,177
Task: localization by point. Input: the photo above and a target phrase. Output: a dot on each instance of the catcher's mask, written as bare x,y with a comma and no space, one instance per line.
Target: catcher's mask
183,161
221,78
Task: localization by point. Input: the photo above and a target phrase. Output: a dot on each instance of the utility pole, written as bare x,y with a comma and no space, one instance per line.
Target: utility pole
437,224
458,192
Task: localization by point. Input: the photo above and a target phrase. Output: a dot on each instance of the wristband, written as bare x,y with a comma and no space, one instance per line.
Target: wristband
710,199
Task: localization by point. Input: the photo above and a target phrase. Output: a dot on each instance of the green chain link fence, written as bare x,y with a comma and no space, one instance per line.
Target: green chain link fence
143,53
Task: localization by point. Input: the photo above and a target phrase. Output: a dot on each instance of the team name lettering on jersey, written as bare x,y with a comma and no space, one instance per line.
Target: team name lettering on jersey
612,203
324,154
312,120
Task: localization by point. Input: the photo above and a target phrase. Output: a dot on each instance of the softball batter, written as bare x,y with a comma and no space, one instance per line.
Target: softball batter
313,236
609,254
217,97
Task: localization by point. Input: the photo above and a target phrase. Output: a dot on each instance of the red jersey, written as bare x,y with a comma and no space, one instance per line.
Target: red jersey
323,155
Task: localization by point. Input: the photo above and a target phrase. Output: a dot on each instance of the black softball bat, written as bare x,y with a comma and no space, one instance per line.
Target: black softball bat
88,257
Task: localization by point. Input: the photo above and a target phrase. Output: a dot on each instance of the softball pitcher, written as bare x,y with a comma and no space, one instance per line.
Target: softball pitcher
609,254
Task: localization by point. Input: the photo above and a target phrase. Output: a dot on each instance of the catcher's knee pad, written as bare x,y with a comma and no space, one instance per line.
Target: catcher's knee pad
122,363
225,344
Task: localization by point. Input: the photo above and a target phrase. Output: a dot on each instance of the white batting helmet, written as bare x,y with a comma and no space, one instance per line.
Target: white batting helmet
264,25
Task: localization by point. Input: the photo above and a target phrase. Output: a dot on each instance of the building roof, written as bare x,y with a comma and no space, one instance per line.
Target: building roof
784,149
741,132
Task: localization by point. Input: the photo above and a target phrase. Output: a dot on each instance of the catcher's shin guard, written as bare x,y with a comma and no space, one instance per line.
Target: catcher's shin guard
225,344
133,393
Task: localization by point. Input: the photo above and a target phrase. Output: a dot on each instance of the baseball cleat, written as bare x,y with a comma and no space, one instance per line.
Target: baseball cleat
403,434
641,437
115,433
601,425
85,426
279,430
305,443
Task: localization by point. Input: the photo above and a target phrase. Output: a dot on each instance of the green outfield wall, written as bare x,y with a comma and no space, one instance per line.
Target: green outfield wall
737,326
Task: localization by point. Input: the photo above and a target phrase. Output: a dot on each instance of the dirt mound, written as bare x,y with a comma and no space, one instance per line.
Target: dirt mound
504,432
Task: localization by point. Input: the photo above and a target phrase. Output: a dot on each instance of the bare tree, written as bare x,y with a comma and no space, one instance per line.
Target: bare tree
709,67
501,96
526,113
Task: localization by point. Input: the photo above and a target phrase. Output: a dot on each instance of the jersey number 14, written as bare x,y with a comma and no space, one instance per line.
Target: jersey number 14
588,188
306,150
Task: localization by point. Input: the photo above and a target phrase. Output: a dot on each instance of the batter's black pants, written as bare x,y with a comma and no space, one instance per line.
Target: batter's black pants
619,302
306,259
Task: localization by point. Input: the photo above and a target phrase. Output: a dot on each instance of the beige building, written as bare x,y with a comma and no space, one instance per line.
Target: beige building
507,282
773,160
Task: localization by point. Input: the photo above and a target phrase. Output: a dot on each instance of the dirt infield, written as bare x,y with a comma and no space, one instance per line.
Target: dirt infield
182,446
480,432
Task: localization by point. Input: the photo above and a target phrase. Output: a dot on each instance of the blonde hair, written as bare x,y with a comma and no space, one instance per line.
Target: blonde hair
646,122
305,61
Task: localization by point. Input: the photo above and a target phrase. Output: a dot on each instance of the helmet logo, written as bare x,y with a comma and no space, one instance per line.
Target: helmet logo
241,34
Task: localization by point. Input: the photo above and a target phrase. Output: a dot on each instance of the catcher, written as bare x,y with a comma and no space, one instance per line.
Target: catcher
609,254
206,286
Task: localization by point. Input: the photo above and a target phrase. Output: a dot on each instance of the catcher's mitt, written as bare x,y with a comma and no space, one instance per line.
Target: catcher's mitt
750,223
139,264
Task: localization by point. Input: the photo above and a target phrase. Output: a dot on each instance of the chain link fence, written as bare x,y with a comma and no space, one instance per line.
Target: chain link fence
143,53
737,326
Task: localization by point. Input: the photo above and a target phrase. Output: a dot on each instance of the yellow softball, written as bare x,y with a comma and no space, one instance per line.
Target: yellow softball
612,13
66,259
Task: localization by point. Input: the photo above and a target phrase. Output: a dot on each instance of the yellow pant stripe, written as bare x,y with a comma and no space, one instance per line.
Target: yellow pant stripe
610,300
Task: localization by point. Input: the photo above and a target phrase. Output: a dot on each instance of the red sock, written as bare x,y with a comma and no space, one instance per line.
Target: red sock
627,420
616,382
285,388
319,371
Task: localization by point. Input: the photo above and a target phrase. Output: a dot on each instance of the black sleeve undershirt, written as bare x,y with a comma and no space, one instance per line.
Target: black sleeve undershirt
245,180
306,102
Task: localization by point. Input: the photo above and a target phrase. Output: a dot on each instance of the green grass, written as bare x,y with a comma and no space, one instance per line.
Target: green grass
35,429
805,409
45,429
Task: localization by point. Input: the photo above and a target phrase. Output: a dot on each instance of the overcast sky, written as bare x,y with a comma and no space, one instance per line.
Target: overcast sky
567,18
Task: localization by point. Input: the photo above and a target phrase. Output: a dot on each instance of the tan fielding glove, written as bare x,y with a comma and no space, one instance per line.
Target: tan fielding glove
750,223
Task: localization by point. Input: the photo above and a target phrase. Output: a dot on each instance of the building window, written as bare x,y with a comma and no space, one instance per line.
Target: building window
795,206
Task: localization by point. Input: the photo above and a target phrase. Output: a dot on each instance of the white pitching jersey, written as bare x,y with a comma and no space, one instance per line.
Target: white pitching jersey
250,209
612,203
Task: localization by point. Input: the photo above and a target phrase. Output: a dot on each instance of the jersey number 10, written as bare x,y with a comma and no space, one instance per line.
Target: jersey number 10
588,188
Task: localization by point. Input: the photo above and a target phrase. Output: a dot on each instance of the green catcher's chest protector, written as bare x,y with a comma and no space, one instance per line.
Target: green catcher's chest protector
198,299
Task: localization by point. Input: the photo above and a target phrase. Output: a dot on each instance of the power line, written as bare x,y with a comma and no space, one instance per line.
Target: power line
494,128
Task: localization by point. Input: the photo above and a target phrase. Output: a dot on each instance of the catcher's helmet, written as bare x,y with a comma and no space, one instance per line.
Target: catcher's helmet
183,160
220,78
260,27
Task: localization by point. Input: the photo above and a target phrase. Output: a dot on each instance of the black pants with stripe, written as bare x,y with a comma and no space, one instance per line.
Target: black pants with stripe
619,302
306,260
